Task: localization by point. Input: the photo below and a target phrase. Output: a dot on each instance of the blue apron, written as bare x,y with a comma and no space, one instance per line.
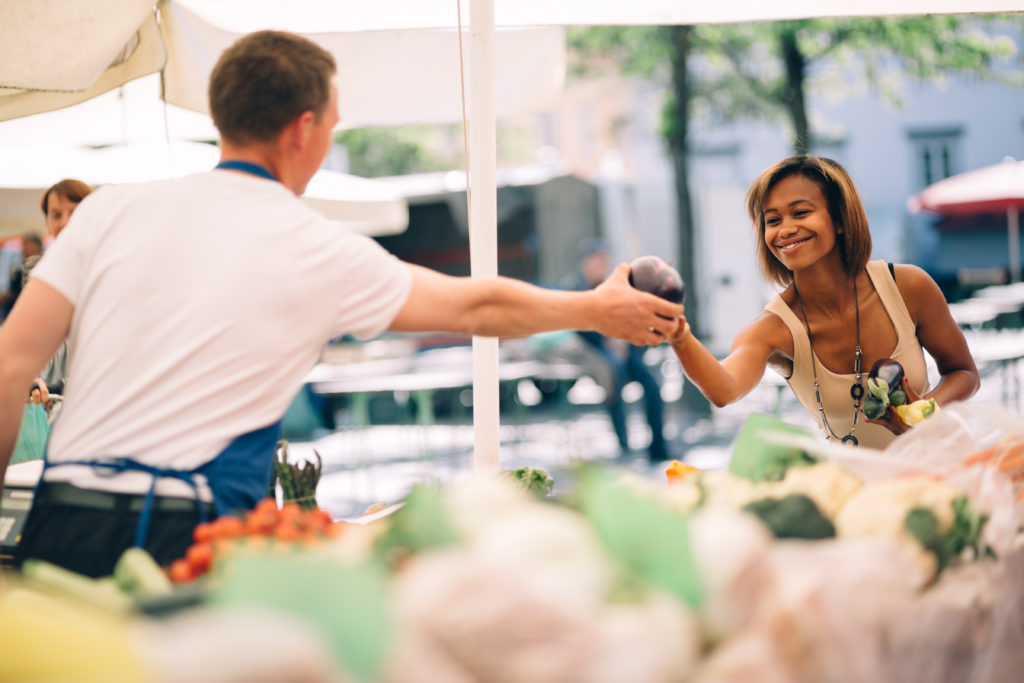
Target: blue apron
239,476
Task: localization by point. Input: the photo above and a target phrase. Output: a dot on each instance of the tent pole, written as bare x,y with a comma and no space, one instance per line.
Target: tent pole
1013,234
483,224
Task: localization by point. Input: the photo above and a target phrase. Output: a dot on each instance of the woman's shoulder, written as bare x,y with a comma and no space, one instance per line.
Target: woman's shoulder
778,305
769,327
912,279
917,288
769,336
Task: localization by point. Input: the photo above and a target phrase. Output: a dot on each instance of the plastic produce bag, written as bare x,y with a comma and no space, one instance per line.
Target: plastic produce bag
822,618
979,448
35,430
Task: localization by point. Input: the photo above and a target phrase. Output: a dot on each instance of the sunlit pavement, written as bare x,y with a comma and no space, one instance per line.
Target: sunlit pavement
382,463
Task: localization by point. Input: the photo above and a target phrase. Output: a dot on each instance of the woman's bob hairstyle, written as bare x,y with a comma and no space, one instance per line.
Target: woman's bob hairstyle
844,207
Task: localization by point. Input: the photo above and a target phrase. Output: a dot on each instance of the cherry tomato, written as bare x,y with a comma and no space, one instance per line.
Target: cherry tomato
204,532
200,557
180,571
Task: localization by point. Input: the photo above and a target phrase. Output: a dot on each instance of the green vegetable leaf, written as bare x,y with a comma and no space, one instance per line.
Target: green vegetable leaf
648,540
422,523
756,457
965,534
968,524
924,526
794,516
350,605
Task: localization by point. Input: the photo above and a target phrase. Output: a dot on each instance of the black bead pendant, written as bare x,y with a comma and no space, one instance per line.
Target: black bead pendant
857,391
850,439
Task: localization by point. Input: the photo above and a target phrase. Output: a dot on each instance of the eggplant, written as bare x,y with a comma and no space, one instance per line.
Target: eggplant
890,371
651,274
885,388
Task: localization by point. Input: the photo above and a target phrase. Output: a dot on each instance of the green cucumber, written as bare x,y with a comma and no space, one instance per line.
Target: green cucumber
64,582
136,572
873,408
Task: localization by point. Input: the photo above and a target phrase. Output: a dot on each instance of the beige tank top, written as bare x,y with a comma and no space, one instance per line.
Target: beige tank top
835,388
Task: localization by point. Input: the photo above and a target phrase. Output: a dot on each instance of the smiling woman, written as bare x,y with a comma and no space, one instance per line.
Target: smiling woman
837,313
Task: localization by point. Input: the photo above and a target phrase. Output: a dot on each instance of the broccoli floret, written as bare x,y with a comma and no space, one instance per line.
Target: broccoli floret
534,479
795,516
924,526
964,536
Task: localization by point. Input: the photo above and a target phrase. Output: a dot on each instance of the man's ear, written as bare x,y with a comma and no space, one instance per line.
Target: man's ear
300,129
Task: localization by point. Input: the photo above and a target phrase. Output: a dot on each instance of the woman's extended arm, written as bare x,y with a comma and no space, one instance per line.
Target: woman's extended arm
729,380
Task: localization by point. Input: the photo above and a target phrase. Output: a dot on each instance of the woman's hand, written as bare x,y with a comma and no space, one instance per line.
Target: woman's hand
39,393
624,306
682,332
891,419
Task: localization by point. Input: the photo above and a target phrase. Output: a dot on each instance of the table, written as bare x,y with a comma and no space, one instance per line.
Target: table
419,378
975,313
1003,349
422,382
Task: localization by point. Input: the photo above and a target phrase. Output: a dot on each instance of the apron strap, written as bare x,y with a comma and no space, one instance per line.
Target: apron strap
238,476
114,466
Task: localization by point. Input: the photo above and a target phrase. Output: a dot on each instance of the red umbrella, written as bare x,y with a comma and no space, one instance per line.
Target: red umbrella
993,188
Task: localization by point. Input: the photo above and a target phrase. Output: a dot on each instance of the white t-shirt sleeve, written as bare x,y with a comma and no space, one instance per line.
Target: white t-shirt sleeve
373,287
64,264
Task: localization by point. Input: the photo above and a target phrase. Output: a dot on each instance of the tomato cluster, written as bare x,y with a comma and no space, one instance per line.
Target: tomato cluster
263,527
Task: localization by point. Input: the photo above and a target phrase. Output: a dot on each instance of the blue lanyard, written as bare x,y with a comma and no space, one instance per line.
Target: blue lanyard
247,167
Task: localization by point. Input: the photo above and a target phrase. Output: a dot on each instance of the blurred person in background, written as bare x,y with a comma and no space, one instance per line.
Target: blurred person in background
184,360
58,203
618,363
31,250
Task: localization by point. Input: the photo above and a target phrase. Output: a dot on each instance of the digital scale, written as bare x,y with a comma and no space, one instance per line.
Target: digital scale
19,490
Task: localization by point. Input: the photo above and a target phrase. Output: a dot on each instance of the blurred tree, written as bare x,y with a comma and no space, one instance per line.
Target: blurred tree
376,152
767,69
662,52
399,150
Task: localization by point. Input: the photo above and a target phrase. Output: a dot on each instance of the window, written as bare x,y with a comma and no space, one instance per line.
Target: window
935,155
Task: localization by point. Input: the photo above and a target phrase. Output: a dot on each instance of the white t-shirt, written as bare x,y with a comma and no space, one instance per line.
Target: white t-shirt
199,306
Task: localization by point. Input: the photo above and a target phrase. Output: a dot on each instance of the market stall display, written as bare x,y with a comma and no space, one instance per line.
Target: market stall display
801,562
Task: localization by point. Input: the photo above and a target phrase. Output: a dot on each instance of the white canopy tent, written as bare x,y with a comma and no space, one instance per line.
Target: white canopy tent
132,112
193,29
398,59
394,73
362,205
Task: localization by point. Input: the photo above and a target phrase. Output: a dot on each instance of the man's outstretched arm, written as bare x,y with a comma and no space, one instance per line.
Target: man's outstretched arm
504,307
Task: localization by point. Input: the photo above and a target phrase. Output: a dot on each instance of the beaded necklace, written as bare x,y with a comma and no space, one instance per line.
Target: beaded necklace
856,391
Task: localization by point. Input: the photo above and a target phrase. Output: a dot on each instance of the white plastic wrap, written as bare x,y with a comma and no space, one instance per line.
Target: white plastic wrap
236,645
824,616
